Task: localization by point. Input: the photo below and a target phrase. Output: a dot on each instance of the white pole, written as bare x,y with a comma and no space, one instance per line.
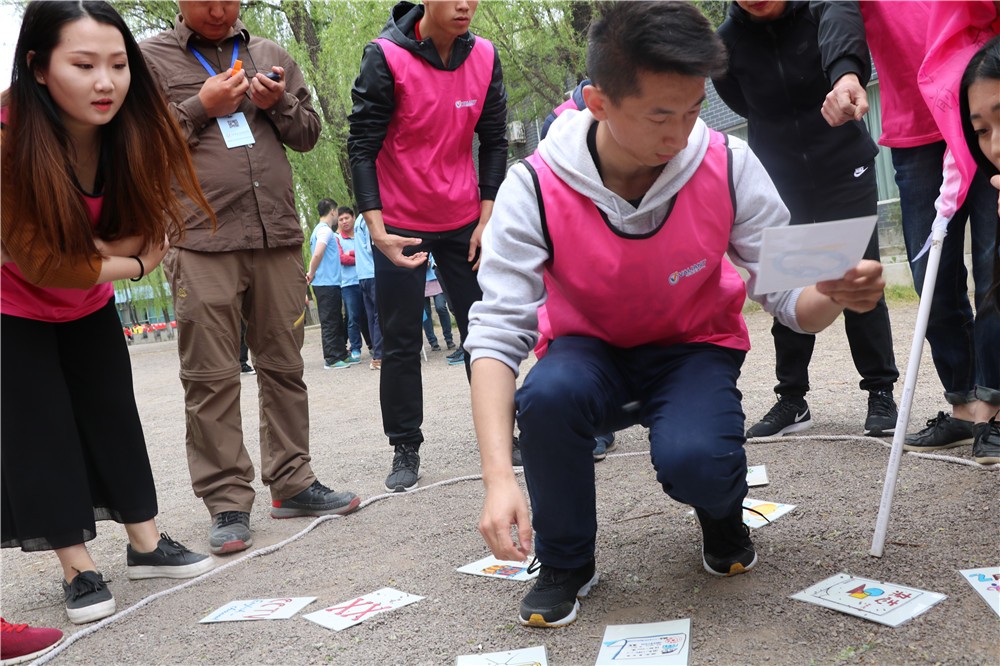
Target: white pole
912,369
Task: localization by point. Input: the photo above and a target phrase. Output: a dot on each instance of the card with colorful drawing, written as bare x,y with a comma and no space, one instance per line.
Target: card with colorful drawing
986,582
494,568
885,603
772,510
533,656
258,609
350,613
652,644
757,476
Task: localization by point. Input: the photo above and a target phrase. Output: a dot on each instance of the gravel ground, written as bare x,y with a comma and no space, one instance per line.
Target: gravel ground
648,547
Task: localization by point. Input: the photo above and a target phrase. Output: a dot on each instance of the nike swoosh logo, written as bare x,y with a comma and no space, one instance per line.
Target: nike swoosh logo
801,416
859,171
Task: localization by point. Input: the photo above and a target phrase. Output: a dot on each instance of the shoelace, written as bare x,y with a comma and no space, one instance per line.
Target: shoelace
880,404
746,508
781,408
227,518
171,547
8,628
407,458
82,586
535,565
936,421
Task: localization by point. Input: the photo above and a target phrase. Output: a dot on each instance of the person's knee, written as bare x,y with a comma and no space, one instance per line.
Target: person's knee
552,389
696,471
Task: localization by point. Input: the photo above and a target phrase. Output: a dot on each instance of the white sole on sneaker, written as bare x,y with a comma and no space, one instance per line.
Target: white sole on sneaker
142,572
794,427
735,569
91,613
280,513
537,620
405,489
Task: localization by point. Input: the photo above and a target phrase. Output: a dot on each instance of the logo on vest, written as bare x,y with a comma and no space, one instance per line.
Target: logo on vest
466,102
676,276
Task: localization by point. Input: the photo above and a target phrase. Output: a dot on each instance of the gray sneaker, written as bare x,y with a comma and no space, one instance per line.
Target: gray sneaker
171,559
230,532
316,500
986,448
88,598
405,469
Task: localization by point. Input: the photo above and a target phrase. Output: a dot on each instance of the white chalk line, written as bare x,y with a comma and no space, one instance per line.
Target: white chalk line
267,550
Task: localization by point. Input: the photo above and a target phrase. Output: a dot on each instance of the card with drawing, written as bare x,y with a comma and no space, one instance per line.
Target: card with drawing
885,603
757,476
771,510
652,644
258,609
350,613
494,568
533,656
986,582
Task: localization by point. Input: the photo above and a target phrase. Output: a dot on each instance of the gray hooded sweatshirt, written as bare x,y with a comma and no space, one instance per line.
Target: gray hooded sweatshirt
504,324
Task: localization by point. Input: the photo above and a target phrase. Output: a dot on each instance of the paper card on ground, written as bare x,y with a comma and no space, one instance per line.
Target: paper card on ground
772,510
653,644
494,568
757,476
259,609
801,255
986,582
885,603
354,611
533,656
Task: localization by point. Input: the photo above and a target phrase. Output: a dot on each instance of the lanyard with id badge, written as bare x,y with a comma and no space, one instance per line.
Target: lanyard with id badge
235,128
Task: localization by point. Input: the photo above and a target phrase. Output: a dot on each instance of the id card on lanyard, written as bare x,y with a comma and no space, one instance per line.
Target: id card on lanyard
235,128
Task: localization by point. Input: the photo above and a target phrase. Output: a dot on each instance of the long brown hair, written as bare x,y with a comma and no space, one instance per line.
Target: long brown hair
144,151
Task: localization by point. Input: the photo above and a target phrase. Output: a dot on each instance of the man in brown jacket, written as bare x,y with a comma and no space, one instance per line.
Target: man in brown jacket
250,267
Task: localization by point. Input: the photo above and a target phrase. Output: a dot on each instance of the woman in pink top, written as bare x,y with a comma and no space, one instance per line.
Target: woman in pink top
89,155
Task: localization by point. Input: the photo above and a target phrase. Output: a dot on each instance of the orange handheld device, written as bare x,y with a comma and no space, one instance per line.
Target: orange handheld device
237,66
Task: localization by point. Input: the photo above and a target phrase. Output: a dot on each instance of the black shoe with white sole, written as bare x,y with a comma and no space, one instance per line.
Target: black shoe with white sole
553,600
787,416
88,598
171,559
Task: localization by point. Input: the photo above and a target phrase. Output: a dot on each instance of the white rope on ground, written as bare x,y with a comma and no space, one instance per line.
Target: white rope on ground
267,550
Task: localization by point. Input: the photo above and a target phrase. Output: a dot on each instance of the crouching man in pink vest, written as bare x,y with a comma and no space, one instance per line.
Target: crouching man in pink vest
609,242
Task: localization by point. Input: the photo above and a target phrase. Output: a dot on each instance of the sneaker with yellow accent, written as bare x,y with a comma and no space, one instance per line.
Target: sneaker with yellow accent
553,600
727,549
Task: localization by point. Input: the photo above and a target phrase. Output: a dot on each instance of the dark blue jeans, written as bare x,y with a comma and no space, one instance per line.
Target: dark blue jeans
965,348
352,303
374,324
686,395
441,306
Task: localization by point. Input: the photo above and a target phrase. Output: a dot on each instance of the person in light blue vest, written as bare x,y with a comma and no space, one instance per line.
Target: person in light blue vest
364,262
324,277
350,290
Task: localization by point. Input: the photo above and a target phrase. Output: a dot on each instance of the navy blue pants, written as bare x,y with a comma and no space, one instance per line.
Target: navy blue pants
686,395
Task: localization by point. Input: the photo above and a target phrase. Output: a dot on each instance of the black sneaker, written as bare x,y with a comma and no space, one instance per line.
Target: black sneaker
316,500
515,454
230,532
882,414
435,346
405,469
171,559
726,547
986,447
456,358
787,416
603,444
942,432
247,370
553,600
450,344
88,598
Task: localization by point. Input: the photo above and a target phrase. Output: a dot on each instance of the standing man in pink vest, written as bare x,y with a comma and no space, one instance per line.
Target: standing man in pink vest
426,86
618,225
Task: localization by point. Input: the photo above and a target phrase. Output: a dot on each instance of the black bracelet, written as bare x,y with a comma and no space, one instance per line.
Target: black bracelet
142,269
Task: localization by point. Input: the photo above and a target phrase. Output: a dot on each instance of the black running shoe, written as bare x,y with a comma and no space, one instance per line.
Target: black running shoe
515,454
942,432
553,600
230,532
882,414
727,549
986,448
787,416
405,469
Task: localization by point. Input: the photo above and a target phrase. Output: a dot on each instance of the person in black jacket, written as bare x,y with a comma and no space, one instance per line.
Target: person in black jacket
426,85
785,59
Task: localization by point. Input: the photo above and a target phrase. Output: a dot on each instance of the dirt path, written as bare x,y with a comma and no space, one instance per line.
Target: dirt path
648,548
